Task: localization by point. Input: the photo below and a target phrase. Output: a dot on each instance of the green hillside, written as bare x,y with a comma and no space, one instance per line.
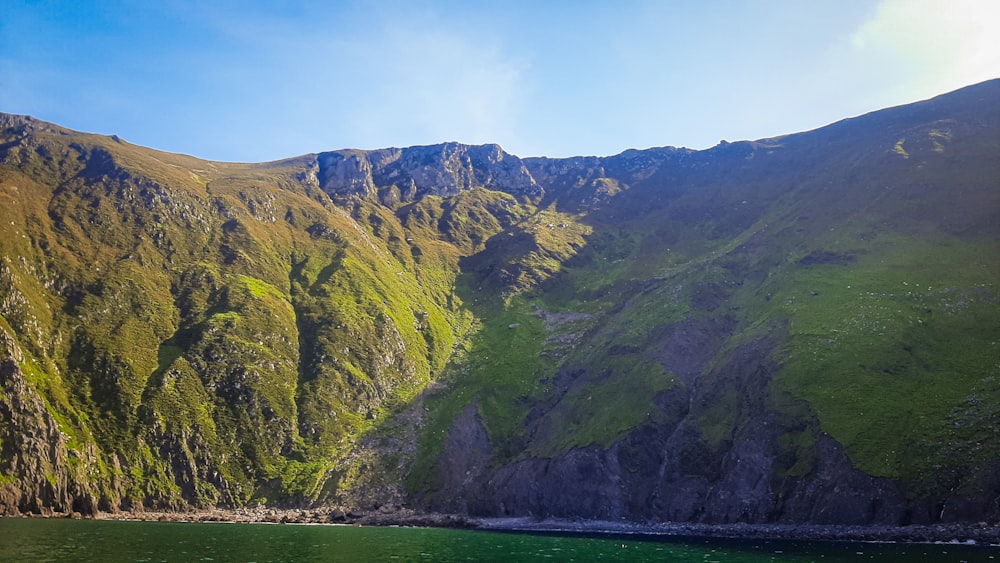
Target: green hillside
794,329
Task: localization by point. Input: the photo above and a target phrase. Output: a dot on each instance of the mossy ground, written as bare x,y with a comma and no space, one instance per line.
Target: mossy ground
887,349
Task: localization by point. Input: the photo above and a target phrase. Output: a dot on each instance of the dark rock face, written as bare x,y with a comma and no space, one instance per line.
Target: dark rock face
836,493
590,182
687,347
584,483
671,472
685,481
464,464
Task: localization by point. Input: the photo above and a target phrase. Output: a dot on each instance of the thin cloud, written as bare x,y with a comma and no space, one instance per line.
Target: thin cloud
258,81
930,46
435,84
369,79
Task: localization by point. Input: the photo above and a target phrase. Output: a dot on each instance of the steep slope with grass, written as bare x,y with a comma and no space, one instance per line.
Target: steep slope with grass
195,333
798,329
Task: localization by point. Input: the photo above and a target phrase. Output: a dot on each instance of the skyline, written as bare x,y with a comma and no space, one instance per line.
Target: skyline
257,82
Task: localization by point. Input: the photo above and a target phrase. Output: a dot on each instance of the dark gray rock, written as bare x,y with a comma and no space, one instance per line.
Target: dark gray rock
583,483
462,466
670,470
837,493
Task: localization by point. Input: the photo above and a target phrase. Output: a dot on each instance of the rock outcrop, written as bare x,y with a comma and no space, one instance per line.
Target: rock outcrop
402,175
43,472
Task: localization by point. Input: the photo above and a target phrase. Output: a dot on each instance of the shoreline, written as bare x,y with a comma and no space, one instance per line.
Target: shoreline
951,533
979,534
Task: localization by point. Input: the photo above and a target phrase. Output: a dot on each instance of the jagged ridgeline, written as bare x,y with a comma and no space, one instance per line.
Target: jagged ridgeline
797,329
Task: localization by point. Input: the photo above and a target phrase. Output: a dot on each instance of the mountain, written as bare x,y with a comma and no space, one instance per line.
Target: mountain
799,329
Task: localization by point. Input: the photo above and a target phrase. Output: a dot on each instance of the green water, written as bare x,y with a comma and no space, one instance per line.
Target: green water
103,541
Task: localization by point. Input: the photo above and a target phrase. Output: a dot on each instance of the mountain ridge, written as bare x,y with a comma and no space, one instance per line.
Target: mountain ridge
795,329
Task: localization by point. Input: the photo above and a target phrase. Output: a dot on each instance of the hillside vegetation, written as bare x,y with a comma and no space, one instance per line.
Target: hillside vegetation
799,329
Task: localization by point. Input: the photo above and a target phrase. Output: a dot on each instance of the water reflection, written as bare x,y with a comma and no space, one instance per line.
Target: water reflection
35,540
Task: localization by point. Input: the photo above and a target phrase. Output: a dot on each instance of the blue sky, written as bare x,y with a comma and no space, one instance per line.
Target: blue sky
257,81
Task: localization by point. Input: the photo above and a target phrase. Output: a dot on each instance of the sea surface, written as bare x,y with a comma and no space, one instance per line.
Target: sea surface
111,541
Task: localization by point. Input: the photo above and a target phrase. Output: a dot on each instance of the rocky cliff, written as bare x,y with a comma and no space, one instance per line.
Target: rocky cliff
403,175
798,329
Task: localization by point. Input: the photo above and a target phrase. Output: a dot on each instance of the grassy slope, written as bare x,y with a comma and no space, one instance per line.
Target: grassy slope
228,320
881,264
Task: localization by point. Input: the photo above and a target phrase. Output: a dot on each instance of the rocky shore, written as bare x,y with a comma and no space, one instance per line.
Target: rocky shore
981,533
388,516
